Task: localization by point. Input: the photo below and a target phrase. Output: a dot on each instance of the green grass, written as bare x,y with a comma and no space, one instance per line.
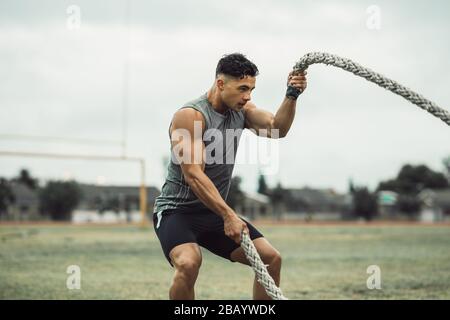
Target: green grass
320,262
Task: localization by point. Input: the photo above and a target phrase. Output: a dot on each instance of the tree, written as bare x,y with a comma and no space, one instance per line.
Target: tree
113,203
262,185
99,203
412,179
26,179
351,186
364,203
6,195
278,196
128,202
446,163
59,199
408,203
409,182
235,195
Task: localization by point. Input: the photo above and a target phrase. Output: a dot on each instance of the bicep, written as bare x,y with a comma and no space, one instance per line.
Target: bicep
187,143
258,120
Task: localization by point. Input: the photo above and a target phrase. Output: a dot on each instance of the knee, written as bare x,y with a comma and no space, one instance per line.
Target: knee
188,267
274,260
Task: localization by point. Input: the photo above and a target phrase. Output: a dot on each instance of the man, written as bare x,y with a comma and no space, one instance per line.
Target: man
191,210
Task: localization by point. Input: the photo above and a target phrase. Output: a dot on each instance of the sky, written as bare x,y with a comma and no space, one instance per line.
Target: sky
68,68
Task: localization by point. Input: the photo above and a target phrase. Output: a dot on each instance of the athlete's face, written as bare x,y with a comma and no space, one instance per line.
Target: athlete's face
235,93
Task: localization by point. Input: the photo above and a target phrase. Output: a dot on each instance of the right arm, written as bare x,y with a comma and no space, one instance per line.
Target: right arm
188,147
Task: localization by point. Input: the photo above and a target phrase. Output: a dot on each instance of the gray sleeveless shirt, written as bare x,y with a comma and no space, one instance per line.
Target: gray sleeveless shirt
222,135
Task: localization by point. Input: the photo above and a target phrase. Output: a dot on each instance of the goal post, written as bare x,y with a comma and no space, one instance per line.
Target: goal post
89,157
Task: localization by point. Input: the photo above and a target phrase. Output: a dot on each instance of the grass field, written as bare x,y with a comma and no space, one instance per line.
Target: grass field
320,262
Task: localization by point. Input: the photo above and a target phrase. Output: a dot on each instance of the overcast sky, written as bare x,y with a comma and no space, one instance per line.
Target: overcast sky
58,78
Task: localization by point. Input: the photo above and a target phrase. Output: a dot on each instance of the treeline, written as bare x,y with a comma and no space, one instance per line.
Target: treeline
407,184
56,199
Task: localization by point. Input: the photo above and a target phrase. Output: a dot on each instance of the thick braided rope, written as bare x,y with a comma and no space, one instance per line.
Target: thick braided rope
348,65
252,255
260,269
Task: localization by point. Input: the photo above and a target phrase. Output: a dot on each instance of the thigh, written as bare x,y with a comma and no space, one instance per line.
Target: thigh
173,230
265,250
218,243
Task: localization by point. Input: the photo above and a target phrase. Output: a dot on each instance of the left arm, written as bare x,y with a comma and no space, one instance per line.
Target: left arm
258,119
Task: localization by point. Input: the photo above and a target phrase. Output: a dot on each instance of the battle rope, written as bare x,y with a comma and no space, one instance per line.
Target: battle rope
260,269
382,81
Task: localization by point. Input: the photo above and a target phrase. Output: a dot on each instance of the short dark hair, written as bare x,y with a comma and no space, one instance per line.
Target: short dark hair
236,65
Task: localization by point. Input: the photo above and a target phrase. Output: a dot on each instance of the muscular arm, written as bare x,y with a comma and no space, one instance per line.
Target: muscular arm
258,119
188,144
188,147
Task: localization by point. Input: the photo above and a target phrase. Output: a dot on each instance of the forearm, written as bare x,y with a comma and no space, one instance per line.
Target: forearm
206,191
285,116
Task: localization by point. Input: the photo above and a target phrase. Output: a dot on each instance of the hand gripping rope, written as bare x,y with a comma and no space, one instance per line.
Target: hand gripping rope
260,269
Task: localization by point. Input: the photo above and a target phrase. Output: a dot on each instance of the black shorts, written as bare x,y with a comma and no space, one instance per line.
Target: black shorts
203,227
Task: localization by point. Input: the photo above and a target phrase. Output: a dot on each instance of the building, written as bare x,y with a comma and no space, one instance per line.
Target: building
26,204
111,204
255,206
435,205
98,203
387,202
316,204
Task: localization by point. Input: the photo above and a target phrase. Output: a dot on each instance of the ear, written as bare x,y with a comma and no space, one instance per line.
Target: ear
220,83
